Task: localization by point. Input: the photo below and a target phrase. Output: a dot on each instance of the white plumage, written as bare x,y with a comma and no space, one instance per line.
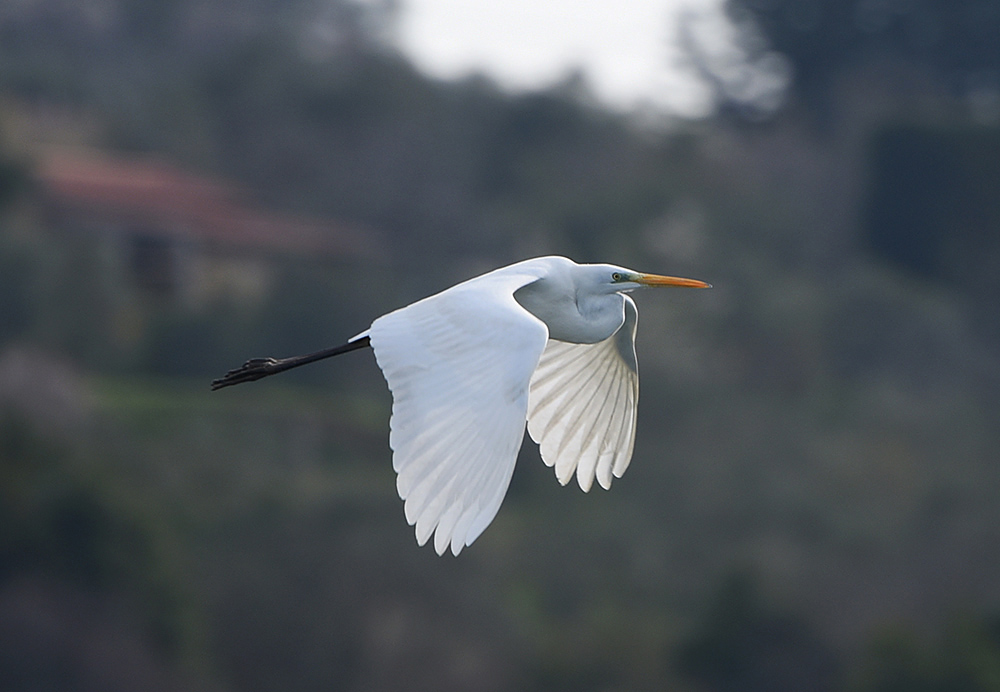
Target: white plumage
582,405
545,341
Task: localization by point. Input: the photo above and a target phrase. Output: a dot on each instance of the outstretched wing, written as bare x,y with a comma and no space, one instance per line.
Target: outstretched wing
458,364
582,405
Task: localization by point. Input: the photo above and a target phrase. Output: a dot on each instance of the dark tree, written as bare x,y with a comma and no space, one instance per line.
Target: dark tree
956,40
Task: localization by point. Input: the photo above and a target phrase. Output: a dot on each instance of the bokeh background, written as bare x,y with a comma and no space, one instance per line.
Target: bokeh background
813,501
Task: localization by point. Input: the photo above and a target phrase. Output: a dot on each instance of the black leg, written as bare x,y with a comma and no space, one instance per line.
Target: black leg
256,368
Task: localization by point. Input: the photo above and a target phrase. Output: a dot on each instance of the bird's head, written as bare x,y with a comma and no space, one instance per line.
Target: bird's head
621,280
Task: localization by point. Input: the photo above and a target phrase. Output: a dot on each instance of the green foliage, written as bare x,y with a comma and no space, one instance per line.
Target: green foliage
964,657
57,521
814,416
13,180
743,644
18,269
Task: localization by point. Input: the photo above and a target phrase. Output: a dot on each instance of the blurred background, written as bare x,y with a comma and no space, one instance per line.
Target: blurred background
813,499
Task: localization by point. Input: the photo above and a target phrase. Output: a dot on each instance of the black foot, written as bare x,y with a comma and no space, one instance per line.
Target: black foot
253,369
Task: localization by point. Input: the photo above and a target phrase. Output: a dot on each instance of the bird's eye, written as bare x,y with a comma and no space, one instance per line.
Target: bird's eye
616,276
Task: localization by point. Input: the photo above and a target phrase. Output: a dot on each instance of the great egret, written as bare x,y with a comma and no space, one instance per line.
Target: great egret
545,341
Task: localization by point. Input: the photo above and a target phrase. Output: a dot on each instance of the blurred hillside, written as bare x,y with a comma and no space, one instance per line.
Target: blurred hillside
812,502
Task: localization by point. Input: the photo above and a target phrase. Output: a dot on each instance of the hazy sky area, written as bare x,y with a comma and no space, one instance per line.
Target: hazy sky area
625,48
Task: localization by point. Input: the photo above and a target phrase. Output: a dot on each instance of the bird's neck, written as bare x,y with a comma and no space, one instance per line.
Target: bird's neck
576,319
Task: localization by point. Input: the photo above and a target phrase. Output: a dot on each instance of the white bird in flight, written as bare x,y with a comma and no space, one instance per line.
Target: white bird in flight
546,342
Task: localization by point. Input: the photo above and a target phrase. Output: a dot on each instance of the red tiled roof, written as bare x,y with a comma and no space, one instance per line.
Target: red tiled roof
162,199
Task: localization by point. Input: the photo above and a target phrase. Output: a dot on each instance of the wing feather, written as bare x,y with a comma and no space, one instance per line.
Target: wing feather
582,404
458,365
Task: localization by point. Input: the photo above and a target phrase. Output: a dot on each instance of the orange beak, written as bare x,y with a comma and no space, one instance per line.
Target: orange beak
657,280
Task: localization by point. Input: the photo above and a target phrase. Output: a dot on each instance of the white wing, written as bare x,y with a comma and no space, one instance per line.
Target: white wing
458,365
582,405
